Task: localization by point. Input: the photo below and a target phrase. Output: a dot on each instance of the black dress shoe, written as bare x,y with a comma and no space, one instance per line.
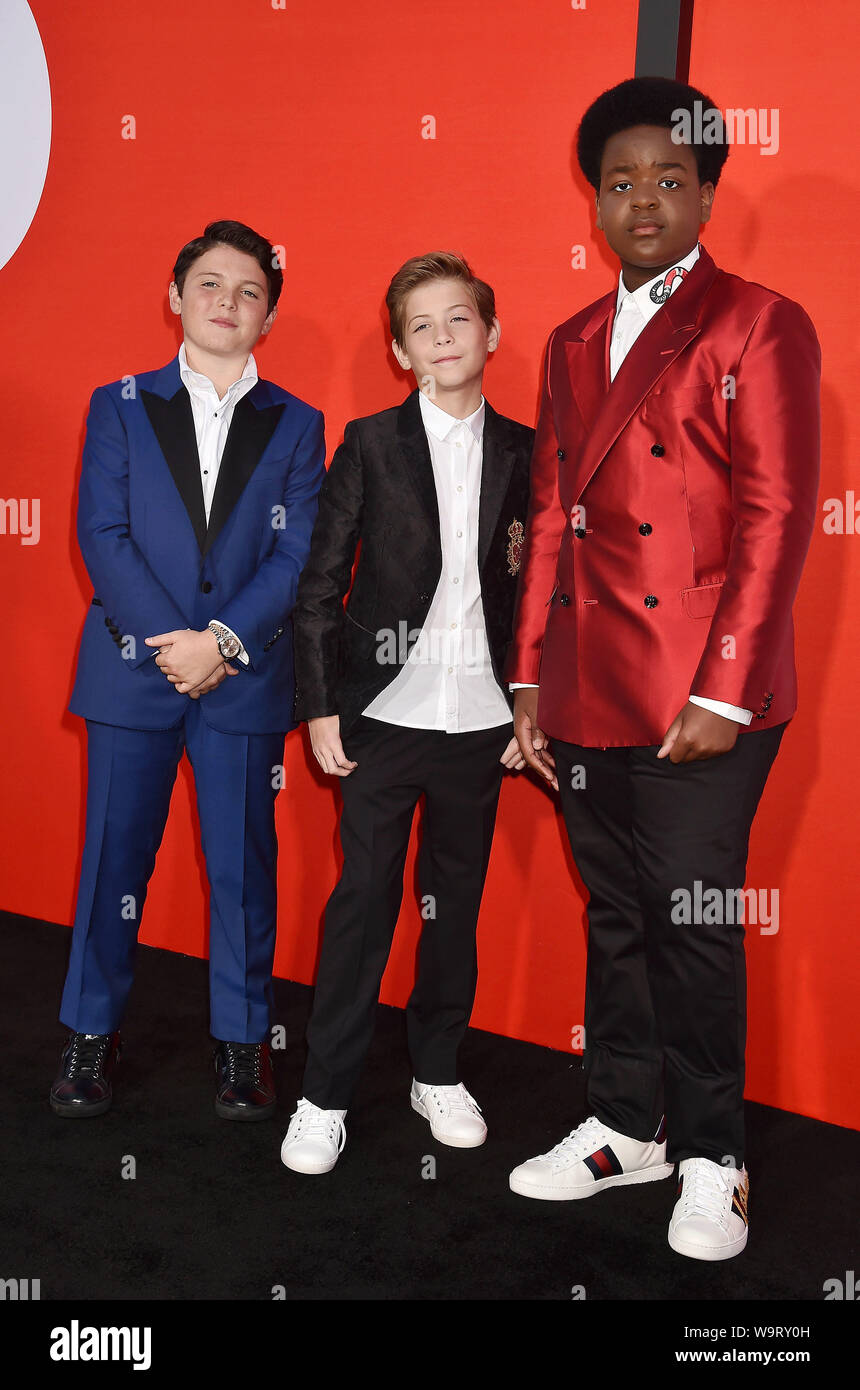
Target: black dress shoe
87,1063
246,1084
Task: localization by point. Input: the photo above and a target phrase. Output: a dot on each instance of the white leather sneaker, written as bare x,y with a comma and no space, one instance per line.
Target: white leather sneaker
314,1140
455,1117
590,1158
710,1217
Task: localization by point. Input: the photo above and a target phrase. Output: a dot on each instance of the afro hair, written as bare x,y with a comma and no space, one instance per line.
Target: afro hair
650,101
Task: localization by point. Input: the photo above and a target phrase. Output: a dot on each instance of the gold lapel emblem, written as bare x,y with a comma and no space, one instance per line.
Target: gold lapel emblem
516,531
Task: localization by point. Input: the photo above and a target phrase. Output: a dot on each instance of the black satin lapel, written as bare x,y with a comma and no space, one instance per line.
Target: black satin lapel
496,467
173,425
415,451
249,433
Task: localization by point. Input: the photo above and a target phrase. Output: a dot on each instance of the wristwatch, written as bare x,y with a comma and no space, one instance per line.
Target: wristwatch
228,643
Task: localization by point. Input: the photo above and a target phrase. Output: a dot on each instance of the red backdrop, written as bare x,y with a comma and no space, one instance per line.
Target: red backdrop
308,122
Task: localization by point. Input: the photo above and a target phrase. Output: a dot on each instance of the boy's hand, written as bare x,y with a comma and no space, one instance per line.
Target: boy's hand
698,733
327,747
512,758
533,742
187,658
218,675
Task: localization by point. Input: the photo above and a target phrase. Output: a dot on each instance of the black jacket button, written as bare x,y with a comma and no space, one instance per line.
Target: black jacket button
206,586
560,453
651,601
564,600
579,532
657,450
646,528
107,622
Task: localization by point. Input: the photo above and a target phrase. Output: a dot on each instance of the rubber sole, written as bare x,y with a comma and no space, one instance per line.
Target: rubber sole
450,1143
555,1194
244,1112
80,1112
309,1172
707,1252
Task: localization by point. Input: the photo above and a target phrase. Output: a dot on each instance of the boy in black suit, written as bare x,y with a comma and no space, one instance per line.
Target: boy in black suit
403,695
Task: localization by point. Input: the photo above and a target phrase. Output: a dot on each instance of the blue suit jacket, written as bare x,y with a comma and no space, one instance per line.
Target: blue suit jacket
156,565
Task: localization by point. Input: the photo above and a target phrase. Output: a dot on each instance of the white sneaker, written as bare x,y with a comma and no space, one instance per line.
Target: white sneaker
590,1158
710,1217
455,1117
314,1140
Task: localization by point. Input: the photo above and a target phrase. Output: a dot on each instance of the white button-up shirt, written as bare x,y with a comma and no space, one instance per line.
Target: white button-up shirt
447,681
212,418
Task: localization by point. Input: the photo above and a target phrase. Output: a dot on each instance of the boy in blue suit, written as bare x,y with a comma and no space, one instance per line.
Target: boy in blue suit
197,501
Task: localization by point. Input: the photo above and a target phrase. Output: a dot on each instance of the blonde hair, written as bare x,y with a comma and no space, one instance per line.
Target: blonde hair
436,265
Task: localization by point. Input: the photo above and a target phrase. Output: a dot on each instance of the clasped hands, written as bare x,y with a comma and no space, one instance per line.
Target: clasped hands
191,660
695,734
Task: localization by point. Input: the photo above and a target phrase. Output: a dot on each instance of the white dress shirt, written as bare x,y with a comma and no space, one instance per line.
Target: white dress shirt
633,310
212,417
447,680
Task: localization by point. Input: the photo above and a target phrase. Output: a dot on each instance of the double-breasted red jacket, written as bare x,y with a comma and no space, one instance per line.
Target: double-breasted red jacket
670,513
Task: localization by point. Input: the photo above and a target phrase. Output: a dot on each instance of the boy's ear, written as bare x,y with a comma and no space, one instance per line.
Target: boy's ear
174,298
493,336
270,320
402,357
706,201
599,218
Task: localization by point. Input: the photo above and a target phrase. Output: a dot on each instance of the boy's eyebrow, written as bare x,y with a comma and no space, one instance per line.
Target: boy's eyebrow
219,275
661,164
447,311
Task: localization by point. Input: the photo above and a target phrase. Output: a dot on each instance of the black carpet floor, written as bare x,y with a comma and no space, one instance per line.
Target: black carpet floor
211,1212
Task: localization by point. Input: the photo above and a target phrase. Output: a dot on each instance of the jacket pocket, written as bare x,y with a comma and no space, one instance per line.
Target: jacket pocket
701,601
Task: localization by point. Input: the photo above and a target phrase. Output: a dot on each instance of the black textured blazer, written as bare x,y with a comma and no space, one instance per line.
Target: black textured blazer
379,492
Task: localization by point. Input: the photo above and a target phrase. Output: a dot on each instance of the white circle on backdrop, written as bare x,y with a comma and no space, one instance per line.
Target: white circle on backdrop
25,123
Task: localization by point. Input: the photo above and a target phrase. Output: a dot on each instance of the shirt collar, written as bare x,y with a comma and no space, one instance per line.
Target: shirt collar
440,423
642,297
190,378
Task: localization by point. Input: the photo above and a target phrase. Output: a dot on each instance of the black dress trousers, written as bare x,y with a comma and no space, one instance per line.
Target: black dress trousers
460,777
665,993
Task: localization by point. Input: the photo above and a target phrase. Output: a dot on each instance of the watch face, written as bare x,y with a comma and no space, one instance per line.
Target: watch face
229,646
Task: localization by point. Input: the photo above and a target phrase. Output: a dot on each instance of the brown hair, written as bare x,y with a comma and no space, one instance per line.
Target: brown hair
437,265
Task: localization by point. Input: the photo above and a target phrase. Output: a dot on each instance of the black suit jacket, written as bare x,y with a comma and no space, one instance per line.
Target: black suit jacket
379,493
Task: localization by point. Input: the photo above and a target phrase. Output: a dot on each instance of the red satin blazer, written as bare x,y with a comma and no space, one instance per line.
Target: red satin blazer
670,513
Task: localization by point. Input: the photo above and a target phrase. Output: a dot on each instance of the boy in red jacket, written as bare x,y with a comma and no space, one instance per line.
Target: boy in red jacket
672,502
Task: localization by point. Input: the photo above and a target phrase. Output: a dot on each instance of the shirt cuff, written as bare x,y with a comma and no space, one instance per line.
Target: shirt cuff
522,685
241,654
741,716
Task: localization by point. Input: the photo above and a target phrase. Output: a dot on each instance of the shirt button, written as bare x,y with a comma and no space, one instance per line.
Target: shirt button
459,533
646,528
450,670
459,487
456,580
453,625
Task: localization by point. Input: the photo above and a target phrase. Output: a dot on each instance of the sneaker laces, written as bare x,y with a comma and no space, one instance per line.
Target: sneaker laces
87,1055
581,1142
243,1062
456,1097
313,1123
707,1191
